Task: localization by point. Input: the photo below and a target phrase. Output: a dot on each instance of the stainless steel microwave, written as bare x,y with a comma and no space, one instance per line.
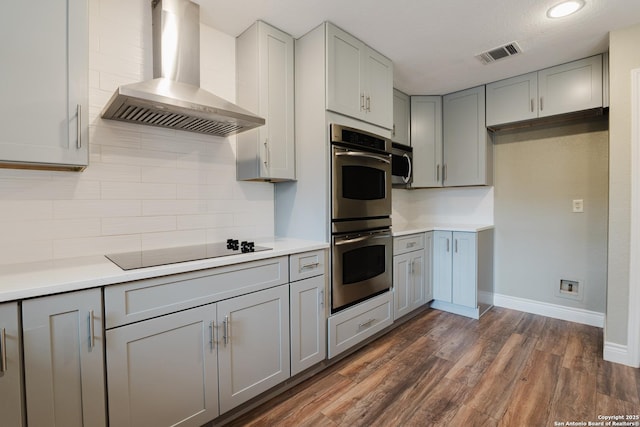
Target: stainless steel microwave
401,165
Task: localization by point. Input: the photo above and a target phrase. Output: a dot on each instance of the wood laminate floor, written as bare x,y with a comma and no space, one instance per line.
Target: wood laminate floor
507,369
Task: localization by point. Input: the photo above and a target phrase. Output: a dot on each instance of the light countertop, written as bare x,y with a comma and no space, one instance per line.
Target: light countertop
404,229
27,280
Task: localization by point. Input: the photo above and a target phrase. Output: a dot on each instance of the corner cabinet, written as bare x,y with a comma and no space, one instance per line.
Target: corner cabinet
44,110
426,140
64,360
467,155
463,272
265,81
359,79
11,404
401,118
565,88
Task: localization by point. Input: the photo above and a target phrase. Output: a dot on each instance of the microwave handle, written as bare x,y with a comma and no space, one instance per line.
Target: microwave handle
363,154
408,177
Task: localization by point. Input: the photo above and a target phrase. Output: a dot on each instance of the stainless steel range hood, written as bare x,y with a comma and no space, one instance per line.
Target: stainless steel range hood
174,99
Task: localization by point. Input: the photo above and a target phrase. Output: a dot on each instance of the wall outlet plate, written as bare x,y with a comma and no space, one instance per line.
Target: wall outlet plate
578,205
570,288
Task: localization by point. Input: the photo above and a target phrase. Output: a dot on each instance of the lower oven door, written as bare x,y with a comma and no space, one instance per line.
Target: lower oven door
361,267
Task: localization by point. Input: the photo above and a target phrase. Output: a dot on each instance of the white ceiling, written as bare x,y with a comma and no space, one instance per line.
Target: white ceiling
433,43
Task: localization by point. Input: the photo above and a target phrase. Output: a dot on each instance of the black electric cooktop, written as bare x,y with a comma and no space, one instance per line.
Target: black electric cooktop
156,257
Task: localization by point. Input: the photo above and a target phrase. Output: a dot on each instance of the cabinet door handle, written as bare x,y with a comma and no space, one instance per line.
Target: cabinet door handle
368,103
367,323
532,105
447,245
362,102
456,245
541,103
212,328
266,153
306,266
79,126
225,330
394,130
3,350
92,332
321,297
438,173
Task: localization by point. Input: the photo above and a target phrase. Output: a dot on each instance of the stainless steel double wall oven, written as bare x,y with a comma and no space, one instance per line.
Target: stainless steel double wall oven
360,216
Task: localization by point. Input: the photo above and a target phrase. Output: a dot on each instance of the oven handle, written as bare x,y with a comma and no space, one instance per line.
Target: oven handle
362,238
363,154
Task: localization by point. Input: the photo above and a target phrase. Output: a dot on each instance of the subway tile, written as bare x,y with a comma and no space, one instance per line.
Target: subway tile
174,207
170,175
138,157
204,192
25,210
26,251
194,222
67,248
137,191
39,230
172,239
137,225
96,208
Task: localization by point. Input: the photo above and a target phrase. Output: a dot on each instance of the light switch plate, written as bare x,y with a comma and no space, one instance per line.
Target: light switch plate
578,205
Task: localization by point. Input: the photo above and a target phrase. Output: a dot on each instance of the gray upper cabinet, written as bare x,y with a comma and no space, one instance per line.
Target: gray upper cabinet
426,140
566,88
11,405
64,360
401,117
44,85
467,148
265,85
359,79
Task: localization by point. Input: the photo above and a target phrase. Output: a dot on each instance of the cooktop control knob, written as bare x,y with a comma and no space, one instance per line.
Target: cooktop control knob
232,244
247,247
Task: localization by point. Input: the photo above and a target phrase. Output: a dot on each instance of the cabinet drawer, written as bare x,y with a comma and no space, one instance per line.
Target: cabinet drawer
144,299
355,324
307,264
410,243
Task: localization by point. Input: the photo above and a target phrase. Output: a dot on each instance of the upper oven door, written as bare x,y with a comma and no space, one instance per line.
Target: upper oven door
361,184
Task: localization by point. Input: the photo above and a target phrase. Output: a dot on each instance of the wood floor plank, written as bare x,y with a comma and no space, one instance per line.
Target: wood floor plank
493,392
574,397
508,368
533,393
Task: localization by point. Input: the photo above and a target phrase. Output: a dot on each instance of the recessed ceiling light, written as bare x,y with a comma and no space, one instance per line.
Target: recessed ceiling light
565,8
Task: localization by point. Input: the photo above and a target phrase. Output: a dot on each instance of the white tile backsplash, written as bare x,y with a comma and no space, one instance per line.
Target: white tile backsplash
145,187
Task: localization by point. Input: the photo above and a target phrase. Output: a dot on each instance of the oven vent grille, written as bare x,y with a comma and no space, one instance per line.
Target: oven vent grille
498,53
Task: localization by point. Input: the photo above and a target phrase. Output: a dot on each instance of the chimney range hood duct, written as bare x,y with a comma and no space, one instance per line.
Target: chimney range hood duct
174,99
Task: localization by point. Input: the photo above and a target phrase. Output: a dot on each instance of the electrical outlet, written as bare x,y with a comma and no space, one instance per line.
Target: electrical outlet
578,206
569,287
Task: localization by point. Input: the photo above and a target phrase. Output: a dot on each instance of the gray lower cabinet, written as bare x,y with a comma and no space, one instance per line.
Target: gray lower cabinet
64,360
163,371
308,323
253,354
408,274
11,404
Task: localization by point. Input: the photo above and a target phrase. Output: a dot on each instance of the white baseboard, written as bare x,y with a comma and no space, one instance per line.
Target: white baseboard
617,353
555,311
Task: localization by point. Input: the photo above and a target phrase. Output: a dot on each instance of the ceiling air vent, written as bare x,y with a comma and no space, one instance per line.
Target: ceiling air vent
501,52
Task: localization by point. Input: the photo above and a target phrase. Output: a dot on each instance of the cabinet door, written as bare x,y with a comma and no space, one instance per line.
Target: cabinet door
417,279
378,89
163,371
266,86
254,350
442,265
402,284
345,83
11,405
401,117
426,140
64,359
464,278
428,266
40,106
465,138
571,87
512,100
308,323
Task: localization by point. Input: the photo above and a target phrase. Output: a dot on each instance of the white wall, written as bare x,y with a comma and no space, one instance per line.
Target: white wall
538,239
145,187
472,205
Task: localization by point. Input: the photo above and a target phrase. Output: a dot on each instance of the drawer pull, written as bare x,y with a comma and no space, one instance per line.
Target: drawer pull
212,327
3,350
307,266
411,244
367,323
